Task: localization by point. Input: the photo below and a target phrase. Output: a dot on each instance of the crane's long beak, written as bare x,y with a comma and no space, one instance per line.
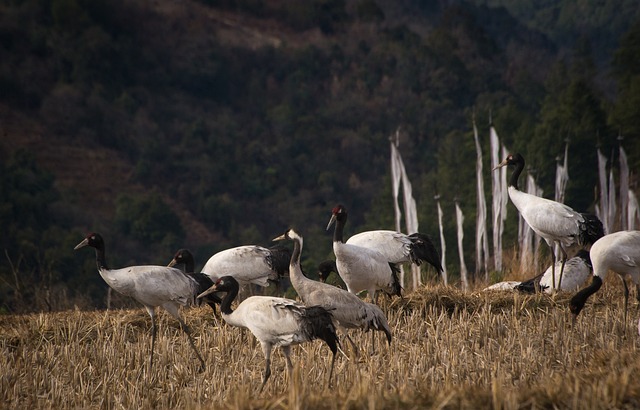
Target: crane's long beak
280,238
500,165
172,263
212,289
82,244
331,221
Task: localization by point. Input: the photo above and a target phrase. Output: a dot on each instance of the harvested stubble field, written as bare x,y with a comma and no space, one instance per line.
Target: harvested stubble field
450,350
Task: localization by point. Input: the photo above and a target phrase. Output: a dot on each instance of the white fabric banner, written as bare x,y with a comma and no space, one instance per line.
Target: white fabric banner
602,211
463,266
482,241
624,189
496,198
442,244
633,212
611,217
562,176
398,175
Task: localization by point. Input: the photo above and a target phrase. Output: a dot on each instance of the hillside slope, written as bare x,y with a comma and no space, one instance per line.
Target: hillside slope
248,117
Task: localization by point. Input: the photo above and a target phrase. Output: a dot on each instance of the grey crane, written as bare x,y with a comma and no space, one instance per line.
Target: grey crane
276,322
349,311
150,285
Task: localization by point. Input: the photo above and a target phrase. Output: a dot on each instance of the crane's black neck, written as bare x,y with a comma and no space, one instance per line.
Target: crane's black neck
341,220
232,292
189,263
101,260
519,163
579,299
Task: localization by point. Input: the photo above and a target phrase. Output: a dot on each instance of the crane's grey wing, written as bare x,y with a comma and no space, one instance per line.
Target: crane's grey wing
393,245
155,285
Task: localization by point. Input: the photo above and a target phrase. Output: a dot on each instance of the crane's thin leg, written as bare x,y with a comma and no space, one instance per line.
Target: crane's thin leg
564,260
373,295
173,310
373,342
346,335
353,345
553,270
266,349
191,342
287,355
152,313
333,361
626,303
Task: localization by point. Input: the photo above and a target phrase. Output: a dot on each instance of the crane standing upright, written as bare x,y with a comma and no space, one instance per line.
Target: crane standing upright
556,223
150,285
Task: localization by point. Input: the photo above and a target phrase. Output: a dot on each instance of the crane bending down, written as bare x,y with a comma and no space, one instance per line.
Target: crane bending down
362,268
185,257
576,271
556,223
619,252
398,247
150,285
324,271
348,310
276,322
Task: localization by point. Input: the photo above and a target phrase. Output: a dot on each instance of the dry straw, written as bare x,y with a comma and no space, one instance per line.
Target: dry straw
451,350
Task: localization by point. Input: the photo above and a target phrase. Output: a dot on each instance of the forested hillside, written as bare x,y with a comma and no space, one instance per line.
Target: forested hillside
210,124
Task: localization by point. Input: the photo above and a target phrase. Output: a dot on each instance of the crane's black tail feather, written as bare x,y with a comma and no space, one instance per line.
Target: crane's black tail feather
590,230
422,249
319,325
278,259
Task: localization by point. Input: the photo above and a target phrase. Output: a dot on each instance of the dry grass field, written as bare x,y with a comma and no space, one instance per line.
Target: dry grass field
450,350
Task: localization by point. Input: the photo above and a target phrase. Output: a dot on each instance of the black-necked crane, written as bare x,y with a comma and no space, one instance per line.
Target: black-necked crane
349,311
249,264
362,268
185,257
325,268
150,285
576,272
556,223
618,252
398,247
276,322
